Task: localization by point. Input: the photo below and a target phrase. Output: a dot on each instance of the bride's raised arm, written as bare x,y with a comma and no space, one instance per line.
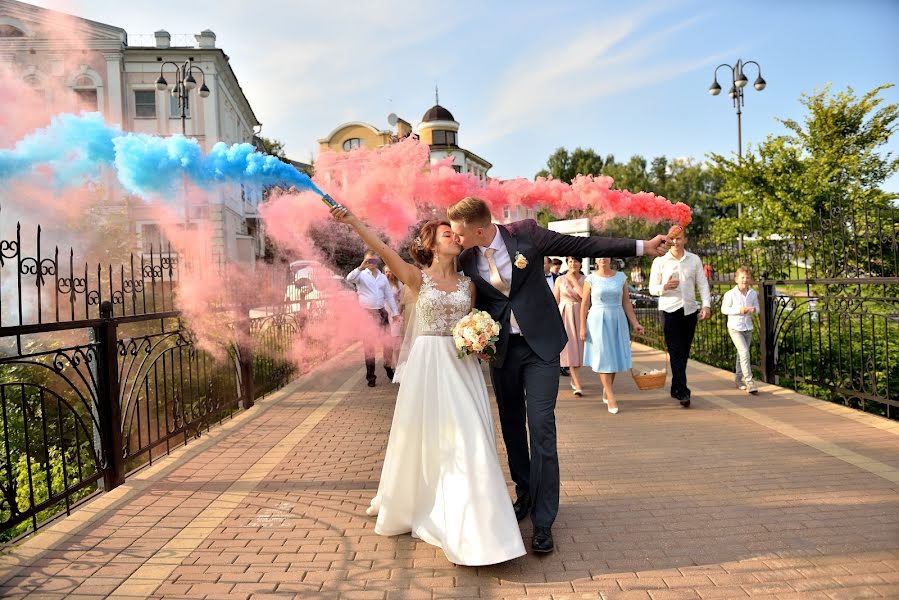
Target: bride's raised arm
408,274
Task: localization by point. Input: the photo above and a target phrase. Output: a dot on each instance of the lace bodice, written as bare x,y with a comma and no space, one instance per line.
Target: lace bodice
438,311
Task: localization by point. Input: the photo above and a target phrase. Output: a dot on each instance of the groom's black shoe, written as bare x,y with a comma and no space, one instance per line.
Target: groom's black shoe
522,507
543,540
389,371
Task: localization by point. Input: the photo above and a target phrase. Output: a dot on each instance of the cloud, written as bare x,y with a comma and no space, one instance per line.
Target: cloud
620,55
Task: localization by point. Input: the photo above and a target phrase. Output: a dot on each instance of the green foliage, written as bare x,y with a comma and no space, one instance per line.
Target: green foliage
273,146
564,166
830,165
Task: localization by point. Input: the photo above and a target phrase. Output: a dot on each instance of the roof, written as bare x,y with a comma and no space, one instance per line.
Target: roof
437,113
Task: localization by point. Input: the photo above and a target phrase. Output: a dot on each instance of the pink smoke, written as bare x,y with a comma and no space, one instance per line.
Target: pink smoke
395,186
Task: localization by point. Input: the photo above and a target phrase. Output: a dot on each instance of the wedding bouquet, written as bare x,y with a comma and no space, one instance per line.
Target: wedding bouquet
476,333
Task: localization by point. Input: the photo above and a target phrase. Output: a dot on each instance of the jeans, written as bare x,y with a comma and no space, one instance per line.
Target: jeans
742,340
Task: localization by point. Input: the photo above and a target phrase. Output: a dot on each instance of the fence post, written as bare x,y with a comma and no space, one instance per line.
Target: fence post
108,410
767,337
245,360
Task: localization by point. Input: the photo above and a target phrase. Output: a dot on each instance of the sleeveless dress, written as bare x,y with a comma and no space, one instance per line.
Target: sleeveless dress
570,309
441,478
608,345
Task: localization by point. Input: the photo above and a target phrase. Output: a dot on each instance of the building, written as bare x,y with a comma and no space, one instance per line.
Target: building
438,128
80,64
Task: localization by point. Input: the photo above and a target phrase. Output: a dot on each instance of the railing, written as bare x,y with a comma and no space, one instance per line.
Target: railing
99,376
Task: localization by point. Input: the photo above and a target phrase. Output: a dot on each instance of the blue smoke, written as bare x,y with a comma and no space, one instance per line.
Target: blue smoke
75,148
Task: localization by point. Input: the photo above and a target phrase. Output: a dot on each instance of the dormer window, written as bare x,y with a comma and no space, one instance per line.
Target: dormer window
10,31
443,137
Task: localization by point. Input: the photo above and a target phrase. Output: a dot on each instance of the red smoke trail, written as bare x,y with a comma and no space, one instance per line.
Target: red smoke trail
394,186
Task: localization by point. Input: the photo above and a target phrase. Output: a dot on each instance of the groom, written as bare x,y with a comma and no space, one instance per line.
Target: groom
506,264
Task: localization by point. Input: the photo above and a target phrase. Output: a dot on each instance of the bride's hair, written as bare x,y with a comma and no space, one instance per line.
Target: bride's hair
422,247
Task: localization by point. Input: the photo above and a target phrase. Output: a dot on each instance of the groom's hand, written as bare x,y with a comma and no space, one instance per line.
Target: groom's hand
657,246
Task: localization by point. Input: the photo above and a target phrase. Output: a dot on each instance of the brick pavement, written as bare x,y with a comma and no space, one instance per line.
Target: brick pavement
774,496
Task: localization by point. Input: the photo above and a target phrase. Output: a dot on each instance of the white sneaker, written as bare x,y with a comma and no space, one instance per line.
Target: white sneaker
751,388
740,386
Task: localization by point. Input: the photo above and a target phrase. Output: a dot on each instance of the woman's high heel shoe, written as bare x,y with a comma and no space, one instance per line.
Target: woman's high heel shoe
577,392
604,399
614,411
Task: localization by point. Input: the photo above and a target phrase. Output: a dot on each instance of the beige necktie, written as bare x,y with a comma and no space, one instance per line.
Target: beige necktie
496,279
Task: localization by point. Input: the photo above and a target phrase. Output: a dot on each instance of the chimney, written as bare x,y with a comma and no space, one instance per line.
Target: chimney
205,39
163,39
403,129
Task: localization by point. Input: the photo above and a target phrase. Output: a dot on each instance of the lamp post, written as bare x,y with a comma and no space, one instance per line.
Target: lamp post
184,83
738,82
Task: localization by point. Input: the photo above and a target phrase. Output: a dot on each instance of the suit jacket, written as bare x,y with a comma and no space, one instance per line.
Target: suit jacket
530,298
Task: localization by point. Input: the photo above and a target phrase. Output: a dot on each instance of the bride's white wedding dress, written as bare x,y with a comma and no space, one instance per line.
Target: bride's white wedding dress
441,478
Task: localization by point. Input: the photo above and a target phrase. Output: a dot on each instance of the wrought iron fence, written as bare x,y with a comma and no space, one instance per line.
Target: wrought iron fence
829,324
99,375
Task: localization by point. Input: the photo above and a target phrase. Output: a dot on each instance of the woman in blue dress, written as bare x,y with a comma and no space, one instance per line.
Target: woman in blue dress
606,310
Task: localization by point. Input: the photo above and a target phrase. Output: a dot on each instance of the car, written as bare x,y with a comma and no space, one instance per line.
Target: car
641,298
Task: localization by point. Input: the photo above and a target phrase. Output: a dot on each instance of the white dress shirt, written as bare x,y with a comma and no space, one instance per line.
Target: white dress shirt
503,265
732,305
691,274
550,281
374,291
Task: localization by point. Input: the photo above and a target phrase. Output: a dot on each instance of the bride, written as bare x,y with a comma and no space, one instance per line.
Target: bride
441,478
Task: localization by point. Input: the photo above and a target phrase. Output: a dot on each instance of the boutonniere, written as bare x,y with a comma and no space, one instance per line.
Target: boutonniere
520,261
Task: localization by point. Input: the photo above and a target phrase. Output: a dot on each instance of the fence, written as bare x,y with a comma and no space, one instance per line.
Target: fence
99,375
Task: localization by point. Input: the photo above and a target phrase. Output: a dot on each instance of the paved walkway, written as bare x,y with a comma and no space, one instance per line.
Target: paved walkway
770,496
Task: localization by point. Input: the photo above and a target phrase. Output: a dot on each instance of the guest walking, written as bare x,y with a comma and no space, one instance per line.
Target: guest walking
739,304
374,294
567,291
606,310
674,278
397,326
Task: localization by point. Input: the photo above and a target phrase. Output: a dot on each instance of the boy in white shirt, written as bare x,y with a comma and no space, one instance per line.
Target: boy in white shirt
739,304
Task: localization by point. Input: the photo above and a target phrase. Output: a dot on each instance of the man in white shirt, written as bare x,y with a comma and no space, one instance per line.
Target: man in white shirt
376,296
674,278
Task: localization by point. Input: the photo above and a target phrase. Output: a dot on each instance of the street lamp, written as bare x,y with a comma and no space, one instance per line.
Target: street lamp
738,82
184,83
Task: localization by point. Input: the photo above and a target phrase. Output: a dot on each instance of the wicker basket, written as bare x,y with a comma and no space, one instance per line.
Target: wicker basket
651,382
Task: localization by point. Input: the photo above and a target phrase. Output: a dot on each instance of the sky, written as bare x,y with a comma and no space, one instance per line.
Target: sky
525,77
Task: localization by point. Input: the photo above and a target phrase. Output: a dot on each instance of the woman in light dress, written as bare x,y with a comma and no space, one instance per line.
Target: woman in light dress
605,311
441,480
567,291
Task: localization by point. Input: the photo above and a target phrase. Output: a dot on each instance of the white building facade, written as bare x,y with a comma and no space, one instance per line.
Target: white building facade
80,64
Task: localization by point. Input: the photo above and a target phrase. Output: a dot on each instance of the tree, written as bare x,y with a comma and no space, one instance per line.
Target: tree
273,146
564,166
830,167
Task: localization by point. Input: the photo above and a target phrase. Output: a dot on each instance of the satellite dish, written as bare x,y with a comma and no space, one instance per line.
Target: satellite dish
392,119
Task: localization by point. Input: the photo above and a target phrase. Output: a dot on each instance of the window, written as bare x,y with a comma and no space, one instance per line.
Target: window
86,100
145,104
444,138
9,31
175,110
352,144
457,168
151,238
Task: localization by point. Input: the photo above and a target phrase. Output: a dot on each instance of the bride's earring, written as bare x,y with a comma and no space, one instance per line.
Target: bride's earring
436,259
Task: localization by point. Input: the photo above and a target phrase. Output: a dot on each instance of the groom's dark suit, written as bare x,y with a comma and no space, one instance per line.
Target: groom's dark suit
527,365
